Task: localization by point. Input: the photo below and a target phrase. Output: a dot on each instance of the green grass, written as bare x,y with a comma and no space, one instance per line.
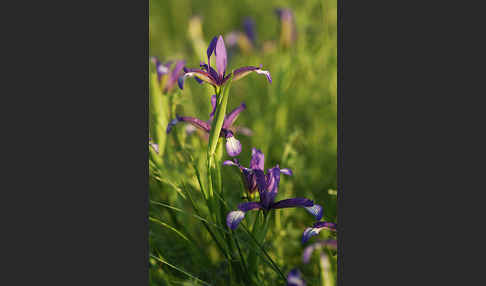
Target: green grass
294,123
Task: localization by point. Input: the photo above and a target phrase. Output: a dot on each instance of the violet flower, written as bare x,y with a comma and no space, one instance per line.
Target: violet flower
288,30
267,185
219,77
306,255
245,40
316,228
165,75
294,278
233,146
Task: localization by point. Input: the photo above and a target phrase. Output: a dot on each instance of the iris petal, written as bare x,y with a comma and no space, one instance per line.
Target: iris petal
211,48
233,146
316,211
257,159
316,228
286,171
292,203
244,71
196,73
231,117
294,278
221,57
234,218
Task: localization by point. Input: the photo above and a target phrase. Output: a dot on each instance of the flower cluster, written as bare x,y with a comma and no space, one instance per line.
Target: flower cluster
255,177
267,185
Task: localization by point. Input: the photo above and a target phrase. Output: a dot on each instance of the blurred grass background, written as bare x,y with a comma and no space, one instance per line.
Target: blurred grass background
294,122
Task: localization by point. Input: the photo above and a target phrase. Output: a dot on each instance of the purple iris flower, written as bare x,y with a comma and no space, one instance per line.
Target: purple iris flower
219,77
288,30
306,255
233,146
267,185
249,26
164,70
294,278
316,228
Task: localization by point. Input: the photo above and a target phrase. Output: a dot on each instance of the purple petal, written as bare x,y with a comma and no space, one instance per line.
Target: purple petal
172,123
257,159
325,225
213,104
233,219
261,183
231,117
196,73
221,57
272,180
193,121
174,76
292,203
233,146
248,206
244,71
316,228
211,48
308,233
294,278
286,171
230,163
316,211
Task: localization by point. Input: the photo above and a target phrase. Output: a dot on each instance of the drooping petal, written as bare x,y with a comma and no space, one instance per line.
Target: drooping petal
221,57
244,71
316,211
293,203
231,117
203,75
294,278
234,218
230,163
191,120
325,225
211,48
257,159
316,228
286,171
306,255
233,146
